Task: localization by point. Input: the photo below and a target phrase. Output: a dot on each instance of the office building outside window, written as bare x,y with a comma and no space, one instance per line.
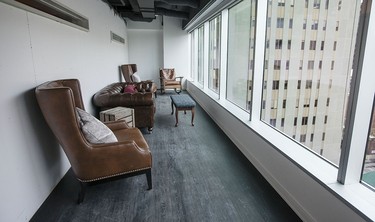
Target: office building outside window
302,107
241,33
214,54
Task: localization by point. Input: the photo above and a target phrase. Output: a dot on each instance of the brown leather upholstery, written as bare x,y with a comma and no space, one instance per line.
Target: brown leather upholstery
128,70
91,162
169,80
142,102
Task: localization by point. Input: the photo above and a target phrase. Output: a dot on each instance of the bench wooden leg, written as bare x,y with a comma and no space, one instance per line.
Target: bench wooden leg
192,116
176,117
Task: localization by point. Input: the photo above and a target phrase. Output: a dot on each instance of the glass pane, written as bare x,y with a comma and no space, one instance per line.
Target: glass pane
241,34
200,54
214,54
193,54
368,175
306,77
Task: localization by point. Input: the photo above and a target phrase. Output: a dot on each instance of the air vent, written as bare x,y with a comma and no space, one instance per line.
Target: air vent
52,10
117,38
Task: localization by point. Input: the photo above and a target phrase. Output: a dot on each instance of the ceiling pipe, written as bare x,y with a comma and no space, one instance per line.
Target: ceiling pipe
171,13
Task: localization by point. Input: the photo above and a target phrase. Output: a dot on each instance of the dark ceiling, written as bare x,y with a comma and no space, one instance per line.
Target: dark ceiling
146,10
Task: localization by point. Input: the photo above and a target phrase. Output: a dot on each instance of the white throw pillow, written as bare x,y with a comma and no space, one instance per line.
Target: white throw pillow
136,77
94,130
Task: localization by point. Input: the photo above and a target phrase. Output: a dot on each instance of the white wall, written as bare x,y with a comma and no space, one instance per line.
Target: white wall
161,43
146,48
34,49
176,47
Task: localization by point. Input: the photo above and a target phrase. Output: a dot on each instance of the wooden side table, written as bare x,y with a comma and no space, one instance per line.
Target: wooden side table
118,113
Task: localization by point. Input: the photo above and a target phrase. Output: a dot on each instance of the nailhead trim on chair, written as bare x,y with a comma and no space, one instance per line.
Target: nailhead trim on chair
113,175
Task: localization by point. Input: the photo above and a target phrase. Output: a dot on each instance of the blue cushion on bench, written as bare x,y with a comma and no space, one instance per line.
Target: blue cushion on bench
183,101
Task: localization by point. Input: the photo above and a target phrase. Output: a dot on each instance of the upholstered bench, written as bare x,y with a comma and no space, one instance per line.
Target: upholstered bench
183,102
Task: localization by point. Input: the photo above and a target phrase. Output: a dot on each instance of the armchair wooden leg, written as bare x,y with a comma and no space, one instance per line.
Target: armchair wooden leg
82,191
149,179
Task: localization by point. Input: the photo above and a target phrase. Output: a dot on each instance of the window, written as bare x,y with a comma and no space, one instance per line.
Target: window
214,54
314,25
300,76
334,45
281,2
289,44
275,85
273,122
302,138
200,54
278,43
287,66
312,45
308,84
368,169
239,54
316,4
280,23
304,120
277,64
339,6
327,4
310,64
290,23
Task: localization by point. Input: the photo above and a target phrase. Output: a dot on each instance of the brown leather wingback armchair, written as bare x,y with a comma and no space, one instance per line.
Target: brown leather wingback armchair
169,80
91,162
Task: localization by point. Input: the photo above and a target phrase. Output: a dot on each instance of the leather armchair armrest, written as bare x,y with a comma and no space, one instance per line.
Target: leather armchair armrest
114,159
116,125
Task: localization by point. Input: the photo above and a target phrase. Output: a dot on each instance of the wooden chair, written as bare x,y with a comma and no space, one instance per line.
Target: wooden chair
169,80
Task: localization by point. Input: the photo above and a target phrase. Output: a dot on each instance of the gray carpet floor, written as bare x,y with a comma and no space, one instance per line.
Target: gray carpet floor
198,175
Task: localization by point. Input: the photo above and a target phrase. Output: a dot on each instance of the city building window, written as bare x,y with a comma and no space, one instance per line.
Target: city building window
281,2
313,121
278,43
302,138
290,23
314,25
304,120
327,4
273,122
275,84
310,64
300,64
325,119
312,137
312,45
324,25
277,65
332,65
327,104
282,122
280,23
320,64
322,46
337,25
289,44
316,4
334,45
304,24
299,84
306,3
287,65
286,84
303,45
339,6
308,84
284,103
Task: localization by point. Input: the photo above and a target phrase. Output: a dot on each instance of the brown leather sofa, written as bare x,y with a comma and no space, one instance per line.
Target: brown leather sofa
91,162
142,101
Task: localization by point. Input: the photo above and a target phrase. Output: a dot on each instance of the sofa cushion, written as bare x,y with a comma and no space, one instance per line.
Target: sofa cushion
94,130
136,77
130,88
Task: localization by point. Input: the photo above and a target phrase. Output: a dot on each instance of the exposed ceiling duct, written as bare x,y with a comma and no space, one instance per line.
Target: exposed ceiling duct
146,10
